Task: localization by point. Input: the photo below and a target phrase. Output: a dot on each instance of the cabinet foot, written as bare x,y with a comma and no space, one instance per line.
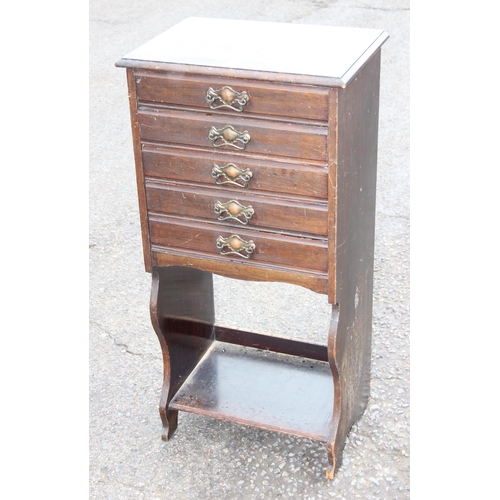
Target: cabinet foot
169,421
330,471
332,462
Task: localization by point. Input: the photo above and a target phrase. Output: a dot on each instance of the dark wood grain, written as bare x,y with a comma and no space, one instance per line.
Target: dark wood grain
294,252
139,171
269,175
267,138
272,343
350,341
334,454
240,269
281,215
313,154
296,102
263,389
182,314
332,196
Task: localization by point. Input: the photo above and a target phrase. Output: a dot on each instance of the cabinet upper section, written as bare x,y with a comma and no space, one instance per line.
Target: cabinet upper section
263,50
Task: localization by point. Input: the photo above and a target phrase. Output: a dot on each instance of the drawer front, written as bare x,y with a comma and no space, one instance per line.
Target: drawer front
251,211
233,96
233,134
236,173
214,240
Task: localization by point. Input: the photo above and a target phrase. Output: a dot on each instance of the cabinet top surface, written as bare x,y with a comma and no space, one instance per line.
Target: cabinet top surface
301,49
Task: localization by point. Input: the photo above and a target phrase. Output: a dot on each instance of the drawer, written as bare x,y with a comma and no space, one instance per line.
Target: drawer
201,239
236,173
255,211
235,134
233,96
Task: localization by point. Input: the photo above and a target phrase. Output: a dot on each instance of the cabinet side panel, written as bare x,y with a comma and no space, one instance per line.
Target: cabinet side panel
356,178
141,190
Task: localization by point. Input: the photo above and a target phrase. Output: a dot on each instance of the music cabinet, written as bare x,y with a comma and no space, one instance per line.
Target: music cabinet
256,150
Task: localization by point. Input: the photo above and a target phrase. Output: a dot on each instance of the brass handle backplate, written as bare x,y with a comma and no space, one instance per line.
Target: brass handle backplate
233,210
231,174
226,97
228,136
234,245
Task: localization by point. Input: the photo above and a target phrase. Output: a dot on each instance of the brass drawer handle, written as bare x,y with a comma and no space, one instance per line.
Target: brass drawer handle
226,97
234,245
228,136
233,210
231,174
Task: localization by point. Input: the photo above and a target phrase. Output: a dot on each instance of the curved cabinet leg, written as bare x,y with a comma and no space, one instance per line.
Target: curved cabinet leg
182,314
349,355
334,459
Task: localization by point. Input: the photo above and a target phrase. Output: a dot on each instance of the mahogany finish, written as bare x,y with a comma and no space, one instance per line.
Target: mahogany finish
271,343
193,201
241,269
182,313
265,99
270,248
262,169
273,176
350,340
266,138
282,393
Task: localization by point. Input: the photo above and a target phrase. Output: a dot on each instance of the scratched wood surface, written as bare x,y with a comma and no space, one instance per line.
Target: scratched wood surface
269,212
265,389
265,99
270,175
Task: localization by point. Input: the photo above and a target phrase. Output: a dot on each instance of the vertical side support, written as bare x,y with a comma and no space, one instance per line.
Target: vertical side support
139,169
334,458
349,343
182,314
332,193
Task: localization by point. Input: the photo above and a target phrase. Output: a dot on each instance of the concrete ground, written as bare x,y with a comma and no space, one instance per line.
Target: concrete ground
209,458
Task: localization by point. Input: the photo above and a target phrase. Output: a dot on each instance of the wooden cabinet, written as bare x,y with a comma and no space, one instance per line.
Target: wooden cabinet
256,159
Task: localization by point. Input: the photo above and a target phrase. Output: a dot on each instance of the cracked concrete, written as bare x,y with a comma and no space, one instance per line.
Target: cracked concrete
209,458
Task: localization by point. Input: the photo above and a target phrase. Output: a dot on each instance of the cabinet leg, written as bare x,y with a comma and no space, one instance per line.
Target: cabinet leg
334,459
182,314
169,421
349,355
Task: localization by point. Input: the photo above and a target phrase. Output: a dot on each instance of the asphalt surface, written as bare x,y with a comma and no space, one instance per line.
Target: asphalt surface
210,458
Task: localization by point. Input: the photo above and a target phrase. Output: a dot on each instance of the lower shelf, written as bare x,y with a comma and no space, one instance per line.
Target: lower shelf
264,389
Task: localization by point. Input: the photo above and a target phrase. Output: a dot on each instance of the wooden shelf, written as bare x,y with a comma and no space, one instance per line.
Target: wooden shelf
264,389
